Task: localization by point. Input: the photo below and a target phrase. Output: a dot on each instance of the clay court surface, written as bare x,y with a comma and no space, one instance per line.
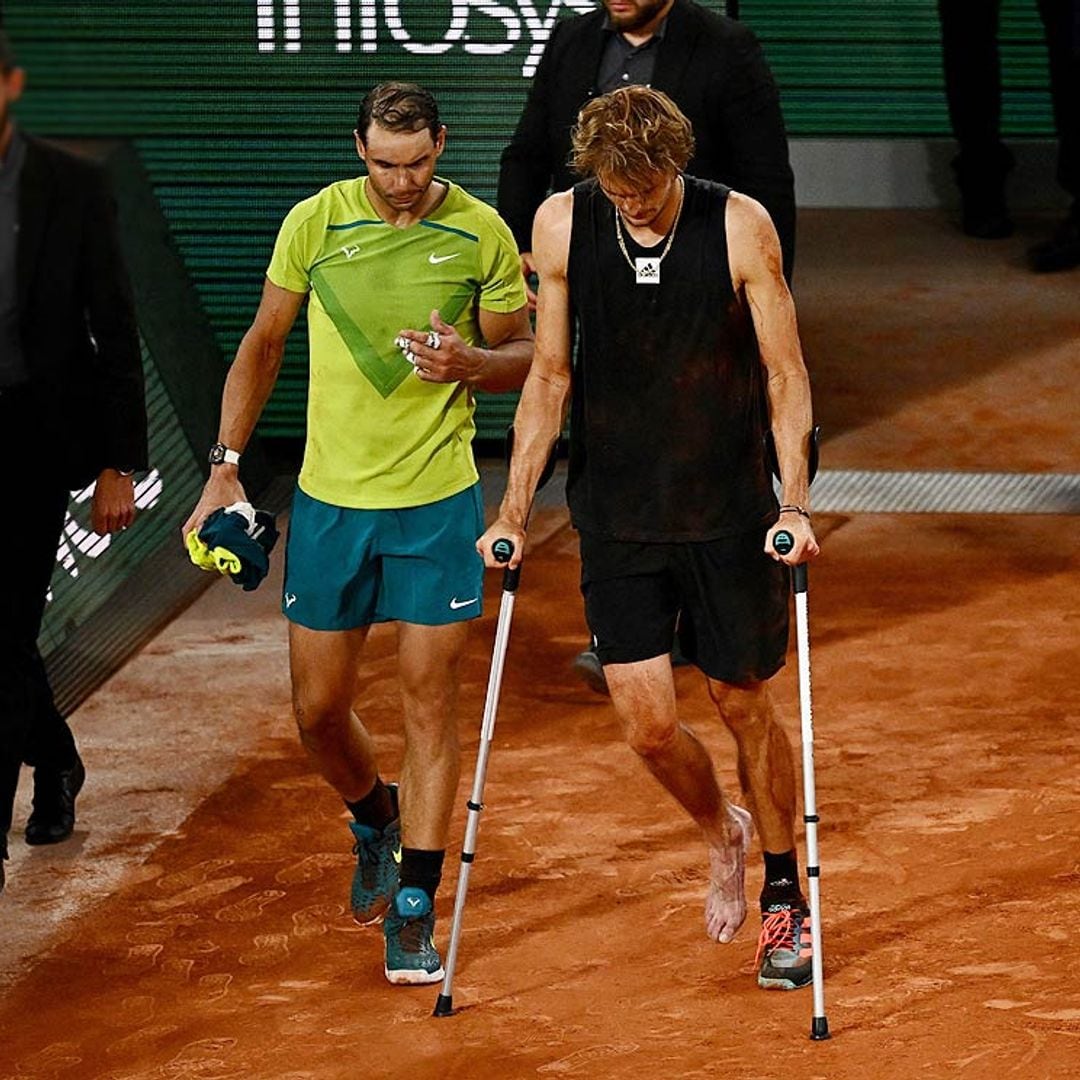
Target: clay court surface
196,926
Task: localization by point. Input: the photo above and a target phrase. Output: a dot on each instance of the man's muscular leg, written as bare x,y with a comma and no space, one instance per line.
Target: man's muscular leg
644,697
429,662
324,672
765,761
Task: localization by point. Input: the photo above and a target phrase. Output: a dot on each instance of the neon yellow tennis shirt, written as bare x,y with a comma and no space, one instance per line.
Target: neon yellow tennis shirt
377,436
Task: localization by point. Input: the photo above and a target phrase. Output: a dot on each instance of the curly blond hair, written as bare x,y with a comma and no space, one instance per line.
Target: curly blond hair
632,134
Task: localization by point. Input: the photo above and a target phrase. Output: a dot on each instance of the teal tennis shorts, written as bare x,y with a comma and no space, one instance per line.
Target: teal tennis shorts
348,568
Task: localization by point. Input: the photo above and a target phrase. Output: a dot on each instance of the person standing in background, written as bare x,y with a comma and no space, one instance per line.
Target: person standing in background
969,38
72,412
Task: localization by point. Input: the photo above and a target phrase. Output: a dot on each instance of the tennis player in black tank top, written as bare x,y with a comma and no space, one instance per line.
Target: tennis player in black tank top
689,349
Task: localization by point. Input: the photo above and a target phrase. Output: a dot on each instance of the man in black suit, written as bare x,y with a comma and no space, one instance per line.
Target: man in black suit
711,67
72,411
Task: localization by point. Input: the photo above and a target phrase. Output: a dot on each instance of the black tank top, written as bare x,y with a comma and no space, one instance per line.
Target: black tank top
667,414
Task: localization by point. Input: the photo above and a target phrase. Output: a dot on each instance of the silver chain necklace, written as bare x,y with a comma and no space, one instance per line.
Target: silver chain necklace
647,270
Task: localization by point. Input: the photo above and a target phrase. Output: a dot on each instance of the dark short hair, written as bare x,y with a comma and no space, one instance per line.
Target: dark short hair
7,53
399,106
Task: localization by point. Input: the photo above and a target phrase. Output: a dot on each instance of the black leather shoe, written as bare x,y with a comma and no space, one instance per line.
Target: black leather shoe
53,816
1061,251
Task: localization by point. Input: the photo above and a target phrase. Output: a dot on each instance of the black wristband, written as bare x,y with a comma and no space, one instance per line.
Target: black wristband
801,511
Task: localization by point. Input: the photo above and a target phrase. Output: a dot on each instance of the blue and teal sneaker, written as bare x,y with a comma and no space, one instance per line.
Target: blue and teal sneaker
409,928
378,853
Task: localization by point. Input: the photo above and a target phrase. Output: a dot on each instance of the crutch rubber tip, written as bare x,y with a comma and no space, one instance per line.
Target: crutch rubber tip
819,1029
444,1006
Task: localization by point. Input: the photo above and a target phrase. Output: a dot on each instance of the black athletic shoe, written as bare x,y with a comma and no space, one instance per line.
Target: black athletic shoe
53,816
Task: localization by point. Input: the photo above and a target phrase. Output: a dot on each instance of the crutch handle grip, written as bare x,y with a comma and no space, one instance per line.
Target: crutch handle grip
784,542
502,551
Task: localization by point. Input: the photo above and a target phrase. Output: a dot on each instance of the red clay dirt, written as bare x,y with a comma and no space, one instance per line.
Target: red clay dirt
948,805
197,926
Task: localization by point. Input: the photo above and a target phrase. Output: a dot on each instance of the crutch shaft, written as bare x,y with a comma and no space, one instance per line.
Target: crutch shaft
444,1005
784,542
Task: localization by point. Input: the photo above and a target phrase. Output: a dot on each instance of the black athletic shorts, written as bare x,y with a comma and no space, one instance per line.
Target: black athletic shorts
728,599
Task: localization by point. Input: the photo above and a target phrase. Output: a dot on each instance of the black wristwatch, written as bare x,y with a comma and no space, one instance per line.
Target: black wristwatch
220,454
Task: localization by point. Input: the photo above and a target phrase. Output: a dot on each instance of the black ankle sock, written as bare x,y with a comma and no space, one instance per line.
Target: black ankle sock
377,808
781,878
421,870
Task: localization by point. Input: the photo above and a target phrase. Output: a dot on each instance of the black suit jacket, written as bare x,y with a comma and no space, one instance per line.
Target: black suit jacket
713,69
77,319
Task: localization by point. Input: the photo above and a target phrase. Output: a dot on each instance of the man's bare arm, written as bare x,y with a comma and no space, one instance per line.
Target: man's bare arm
255,368
542,407
756,268
251,378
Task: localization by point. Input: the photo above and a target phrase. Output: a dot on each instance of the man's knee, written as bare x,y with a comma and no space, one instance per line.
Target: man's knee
651,736
431,720
741,705
318,711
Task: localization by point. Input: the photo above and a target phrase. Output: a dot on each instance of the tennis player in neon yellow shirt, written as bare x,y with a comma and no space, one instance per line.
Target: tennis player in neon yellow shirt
415,302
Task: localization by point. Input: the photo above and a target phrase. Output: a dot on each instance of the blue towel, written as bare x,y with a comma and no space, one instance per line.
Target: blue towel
236,540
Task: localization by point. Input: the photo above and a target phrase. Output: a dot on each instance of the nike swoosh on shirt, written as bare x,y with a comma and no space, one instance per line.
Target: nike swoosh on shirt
436,259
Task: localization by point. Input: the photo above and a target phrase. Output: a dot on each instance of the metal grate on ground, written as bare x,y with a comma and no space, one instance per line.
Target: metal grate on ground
873,492
854,491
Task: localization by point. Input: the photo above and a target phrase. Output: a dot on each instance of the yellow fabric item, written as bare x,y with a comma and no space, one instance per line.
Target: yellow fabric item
225,561
198,552
220,559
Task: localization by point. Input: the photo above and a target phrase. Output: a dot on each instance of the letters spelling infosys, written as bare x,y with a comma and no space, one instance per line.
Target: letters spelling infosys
358,23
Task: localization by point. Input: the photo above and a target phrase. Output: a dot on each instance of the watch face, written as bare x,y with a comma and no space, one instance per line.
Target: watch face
217,454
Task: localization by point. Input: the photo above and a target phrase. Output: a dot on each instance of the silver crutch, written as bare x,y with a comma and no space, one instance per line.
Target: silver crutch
502,550
783,541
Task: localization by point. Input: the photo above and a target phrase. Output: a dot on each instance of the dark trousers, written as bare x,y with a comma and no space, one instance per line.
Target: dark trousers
969,33
32,731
